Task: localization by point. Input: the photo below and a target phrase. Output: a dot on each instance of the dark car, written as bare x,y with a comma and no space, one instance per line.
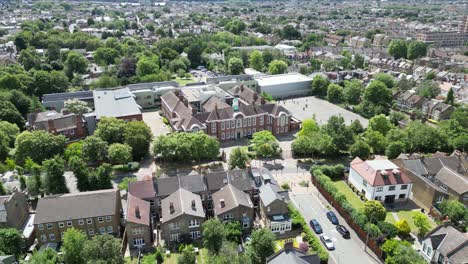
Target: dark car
343,231
316,226
332,217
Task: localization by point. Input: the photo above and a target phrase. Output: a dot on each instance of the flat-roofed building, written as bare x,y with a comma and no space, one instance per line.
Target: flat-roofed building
285,85
118,103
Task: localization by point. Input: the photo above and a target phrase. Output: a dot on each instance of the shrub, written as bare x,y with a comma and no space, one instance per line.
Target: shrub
388,228
334,172
133,166
165,121
304,246
285,186
373,230
403,227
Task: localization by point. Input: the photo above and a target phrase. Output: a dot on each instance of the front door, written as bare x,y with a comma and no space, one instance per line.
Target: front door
239,135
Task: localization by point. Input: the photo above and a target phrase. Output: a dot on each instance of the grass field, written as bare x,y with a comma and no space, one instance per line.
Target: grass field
184,81
352,198
408,216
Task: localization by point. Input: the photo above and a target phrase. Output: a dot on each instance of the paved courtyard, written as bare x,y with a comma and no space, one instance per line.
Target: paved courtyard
306,107
155,122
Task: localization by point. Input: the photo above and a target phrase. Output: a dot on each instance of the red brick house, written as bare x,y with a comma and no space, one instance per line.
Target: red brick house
64,123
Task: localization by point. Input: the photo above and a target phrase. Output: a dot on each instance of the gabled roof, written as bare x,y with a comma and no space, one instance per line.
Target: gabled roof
181,201
142,189
138,210
293,256
453,180
450,242
228,198
379,172
71,206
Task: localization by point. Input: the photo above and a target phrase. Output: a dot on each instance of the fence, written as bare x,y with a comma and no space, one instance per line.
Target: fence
371,243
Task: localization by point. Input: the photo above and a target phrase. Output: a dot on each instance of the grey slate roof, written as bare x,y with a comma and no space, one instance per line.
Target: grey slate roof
82,95
453,180
451,243
76,206
232,198
293,256
182,202
270,193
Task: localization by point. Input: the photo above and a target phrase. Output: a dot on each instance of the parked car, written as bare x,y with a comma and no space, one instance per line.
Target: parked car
343,231
316,226
327,242
332,217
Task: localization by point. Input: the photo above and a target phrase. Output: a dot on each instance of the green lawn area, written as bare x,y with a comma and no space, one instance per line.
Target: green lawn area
408,216
184,81
352,198
202,257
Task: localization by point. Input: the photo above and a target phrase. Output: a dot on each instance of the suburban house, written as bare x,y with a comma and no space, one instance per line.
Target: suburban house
71,125
437,110
14,210
139,225
409,100
291,255
380,180
274,213
445,244
94,212
144,190
232,204
182,215
234,114
436,178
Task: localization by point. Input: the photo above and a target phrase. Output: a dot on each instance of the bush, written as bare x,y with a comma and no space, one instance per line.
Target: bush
285,186
403,227
334,172
304,246
133,166
165,121
373,230
388,228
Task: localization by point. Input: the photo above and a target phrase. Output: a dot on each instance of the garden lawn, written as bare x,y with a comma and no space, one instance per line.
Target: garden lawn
185,81
352,198
408,216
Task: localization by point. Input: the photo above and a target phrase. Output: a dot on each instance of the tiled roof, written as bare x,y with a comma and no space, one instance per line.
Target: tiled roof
142,189
181,202
231,198
380,172
138,210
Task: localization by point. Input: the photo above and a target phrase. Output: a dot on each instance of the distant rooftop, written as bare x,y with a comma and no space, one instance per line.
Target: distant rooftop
115,103
282,79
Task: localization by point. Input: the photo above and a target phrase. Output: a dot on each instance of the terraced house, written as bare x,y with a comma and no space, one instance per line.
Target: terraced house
95,212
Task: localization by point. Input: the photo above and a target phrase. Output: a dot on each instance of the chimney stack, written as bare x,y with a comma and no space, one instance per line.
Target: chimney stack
171,208
242,87
288,244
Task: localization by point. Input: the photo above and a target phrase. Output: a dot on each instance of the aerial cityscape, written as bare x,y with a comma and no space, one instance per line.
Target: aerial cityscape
233,132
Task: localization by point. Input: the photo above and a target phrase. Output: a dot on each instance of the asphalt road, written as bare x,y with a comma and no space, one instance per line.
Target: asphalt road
346,250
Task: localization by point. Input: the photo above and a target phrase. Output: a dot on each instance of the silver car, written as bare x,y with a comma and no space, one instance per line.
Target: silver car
327,242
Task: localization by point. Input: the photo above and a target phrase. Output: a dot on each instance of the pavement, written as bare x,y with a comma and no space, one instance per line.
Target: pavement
155,122
346,250
306,107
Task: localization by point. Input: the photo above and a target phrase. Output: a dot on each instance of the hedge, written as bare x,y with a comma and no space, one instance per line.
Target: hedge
314,242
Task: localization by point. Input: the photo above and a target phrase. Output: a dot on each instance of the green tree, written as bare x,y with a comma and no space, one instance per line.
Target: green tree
277,67
360,149
256,60
111,130
403,227
11,241
238,158
103,176
385,78
73,150
75,63
34,183
147,65
235,66
376,141
233,232
213,235
290,32
9,113
338,131
335,93
94,149
187,255
320,86
119,153
358,61
194,54
398,48
381,124
428,89
262,245
3,190
54,181
416,49
73,244
404,254
356,127
394,149
378,93
455,210
105,56
450,99
308,127
38,145
374,211
265,144
138,136
103,249
11,130
422,223
77,106
47,256
352,91
81,173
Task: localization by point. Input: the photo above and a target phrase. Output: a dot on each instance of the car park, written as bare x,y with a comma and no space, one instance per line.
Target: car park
327,242
316,226
343,231
332,217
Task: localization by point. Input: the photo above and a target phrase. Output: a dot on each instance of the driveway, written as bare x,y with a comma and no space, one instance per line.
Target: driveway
347,250
155,122
306,107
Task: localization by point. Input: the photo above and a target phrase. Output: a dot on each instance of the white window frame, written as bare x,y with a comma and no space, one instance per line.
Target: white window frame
364,183
228,217
239,123
174,237
102,230
81,222
69,223
108,218
228,124
405,187
249,121
52,237
40,226
137,231
233,124
89,221
222,136
195,234
392,186
254,121
61,224
138,242
43,238
101,219
213,127
194,223
379,189
222,126
91,232
49,226
110,229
